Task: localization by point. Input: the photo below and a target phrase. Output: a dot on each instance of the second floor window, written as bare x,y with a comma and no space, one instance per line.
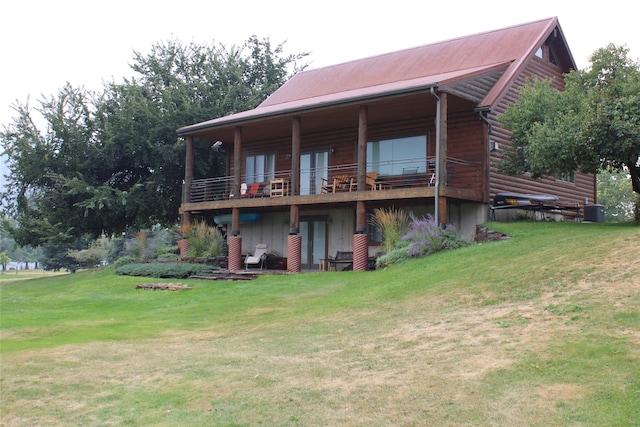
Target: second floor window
260,168
566,178
396,156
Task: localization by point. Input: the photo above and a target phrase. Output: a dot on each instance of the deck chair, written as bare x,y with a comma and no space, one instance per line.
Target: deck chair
337,183
328,185
253,190
371,179
259,256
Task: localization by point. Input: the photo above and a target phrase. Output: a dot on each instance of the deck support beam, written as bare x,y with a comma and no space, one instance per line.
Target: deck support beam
295,155
363,130
237,154
188,179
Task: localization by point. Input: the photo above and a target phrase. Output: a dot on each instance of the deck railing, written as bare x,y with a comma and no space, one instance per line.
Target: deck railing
388,175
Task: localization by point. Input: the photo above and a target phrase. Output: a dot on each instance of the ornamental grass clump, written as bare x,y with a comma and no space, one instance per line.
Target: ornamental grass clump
392,223
426,237
205,241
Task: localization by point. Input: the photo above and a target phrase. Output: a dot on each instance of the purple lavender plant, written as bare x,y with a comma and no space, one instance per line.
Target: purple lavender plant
426,237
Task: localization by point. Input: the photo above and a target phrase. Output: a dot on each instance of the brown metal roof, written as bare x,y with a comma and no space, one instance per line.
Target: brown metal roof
493,57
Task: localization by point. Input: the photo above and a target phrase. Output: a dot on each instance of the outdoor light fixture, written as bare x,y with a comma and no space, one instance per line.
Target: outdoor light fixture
289,156
216,145
332,150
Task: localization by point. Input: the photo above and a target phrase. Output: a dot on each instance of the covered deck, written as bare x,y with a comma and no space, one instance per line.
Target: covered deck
338,184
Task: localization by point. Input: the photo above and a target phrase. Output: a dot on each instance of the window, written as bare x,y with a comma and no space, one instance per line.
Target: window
569,178
260,168
392,156
552,58
375,234
539,53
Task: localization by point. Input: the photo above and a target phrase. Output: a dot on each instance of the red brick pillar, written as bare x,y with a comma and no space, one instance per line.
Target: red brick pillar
294,259
183,245
235,252
360,252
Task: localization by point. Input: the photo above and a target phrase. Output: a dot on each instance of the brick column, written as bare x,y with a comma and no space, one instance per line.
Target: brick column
360,252
235,252
294,258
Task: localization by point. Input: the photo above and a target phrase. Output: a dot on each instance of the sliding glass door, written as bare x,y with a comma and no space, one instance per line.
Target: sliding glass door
313,168
314,241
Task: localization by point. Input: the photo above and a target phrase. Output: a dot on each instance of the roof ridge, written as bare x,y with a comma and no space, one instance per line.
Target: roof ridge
421,46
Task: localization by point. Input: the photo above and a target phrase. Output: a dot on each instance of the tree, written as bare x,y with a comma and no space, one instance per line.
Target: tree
94,255
614,193
4,260
112,161
591,126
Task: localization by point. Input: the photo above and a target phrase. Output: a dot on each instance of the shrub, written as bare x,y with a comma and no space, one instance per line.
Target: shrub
392,224
140,246
124,261
394,256
162,270
165,252
426,237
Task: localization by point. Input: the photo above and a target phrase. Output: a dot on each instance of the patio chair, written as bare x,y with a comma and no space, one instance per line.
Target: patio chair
337,183
252,191
371,180
259,257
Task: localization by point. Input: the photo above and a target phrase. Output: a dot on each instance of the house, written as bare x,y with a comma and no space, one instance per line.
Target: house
415,129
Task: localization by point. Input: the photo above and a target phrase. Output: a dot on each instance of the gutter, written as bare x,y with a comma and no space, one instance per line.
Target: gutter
437,185
481,112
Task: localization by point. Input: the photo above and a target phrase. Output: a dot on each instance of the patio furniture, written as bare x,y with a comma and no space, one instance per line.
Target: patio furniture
342,258
279,187
259,256
337,183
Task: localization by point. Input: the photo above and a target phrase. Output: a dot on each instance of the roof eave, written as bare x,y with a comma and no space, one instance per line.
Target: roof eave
239,118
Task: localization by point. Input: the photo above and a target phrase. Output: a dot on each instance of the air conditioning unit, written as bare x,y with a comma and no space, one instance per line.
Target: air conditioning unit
594,213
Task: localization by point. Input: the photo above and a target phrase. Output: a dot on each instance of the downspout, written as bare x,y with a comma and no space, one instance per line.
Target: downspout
489,149
437,186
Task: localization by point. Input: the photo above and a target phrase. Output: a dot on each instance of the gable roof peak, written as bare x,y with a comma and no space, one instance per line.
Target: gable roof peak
511,44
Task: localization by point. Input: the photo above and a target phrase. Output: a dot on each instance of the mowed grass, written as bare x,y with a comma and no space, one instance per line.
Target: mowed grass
542,329
15,275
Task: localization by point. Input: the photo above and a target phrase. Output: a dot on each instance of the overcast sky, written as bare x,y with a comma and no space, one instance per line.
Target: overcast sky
46,43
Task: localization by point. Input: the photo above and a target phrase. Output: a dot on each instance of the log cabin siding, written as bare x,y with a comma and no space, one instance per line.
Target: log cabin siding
466,136
567,192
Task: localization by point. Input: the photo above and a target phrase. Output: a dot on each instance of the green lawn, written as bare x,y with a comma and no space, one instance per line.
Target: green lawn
542,329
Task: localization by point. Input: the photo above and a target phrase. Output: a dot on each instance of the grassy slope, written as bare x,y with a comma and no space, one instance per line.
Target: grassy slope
541,329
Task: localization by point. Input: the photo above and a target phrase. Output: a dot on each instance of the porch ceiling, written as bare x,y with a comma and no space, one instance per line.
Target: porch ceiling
385,110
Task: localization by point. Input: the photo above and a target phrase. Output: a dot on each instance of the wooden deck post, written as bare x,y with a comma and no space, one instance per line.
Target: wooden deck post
237,153
188,179
363,128
295,156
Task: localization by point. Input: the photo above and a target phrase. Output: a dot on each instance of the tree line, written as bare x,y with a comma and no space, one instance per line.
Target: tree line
109,161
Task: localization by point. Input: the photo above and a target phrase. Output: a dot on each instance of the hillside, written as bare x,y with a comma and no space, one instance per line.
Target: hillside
542,329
